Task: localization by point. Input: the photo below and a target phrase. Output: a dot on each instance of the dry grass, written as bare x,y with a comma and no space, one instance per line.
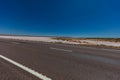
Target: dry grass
100,39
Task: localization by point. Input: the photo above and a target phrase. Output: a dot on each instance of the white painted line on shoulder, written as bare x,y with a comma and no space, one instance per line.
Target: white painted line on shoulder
38,75
61,49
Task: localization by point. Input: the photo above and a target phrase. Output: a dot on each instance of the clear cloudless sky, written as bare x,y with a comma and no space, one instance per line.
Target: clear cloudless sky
76,18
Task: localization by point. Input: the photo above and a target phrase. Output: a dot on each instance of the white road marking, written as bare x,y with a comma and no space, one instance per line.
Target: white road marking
15,43
38,75
61,49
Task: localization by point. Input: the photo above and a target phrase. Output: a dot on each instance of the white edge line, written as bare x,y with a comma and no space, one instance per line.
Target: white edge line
61,49
38,75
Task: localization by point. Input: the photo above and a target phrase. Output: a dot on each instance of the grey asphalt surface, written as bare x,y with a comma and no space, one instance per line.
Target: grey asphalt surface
59,61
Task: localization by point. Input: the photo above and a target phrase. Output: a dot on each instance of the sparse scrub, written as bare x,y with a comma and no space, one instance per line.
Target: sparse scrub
99,39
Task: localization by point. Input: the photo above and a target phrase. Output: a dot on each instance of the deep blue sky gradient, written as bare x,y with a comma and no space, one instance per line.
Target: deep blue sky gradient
76,18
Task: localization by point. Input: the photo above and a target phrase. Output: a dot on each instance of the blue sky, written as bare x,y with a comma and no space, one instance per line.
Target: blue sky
76,18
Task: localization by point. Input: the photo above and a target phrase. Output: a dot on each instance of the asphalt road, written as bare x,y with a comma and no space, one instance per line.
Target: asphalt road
58,61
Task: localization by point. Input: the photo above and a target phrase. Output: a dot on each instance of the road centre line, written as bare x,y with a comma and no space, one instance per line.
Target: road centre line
60,49
29,70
